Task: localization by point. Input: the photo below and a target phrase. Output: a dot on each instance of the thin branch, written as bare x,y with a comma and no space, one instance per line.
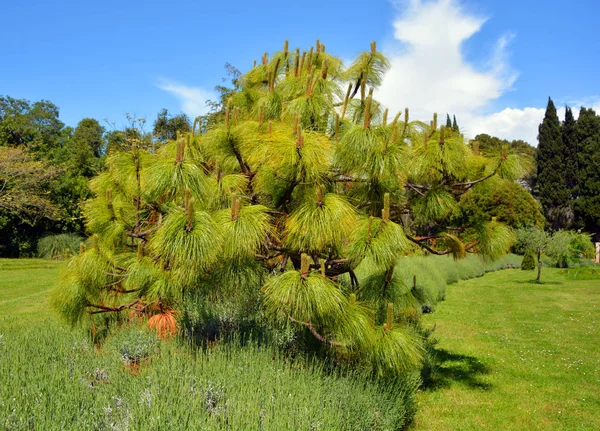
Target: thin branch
316,334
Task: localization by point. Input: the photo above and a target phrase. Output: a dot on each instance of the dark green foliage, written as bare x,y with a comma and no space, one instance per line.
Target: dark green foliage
571,153
528,263
48,166
455,124
32,126
87,146
588,202
506,200
551,186
166,126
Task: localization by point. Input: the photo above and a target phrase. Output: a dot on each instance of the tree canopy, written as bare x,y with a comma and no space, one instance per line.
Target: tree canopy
306,182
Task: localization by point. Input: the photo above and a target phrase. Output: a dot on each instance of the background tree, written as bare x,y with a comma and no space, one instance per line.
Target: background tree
35,127
87,145
506,200
167,126
24,199
588,143
534,240
551,185
571,154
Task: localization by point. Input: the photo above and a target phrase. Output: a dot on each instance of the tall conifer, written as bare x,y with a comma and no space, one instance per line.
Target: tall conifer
551,183
588,140
570,155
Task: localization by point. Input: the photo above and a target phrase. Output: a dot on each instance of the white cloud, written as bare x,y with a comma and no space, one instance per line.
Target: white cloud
507,124
520,123
429,73
193,99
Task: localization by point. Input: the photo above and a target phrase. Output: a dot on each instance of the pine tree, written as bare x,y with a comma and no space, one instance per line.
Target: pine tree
551,182
299,202
588,141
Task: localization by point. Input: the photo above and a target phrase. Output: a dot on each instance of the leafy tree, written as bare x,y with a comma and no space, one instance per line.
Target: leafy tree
87,147
506,200
23,184
134,135
551,183
299,203
25,206
534,240
569,247
33,126
166,126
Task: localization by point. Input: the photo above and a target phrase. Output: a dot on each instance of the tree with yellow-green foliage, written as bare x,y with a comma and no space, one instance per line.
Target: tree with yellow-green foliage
306,177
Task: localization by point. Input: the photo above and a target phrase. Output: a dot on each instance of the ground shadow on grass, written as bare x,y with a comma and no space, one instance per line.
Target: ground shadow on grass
535,283
447,368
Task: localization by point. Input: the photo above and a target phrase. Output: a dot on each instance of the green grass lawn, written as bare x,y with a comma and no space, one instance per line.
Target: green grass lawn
515,355
25,285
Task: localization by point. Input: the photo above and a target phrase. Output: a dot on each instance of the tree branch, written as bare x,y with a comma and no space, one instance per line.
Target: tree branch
316,334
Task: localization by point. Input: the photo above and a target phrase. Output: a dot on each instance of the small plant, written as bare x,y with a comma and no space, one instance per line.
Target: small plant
134,345
528,263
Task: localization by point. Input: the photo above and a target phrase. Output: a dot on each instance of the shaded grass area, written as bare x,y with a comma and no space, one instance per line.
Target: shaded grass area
52,378
515,355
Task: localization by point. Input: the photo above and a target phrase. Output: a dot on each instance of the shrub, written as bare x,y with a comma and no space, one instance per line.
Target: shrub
133,345
58,247
528,263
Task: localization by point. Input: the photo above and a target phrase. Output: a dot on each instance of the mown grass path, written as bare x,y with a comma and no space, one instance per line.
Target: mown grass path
25,286
515,355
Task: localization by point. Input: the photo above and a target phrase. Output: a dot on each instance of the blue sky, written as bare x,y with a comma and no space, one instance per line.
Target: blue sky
492,63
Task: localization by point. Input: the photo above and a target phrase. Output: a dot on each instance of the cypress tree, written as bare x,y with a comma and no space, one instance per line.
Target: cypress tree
455,124
587,132
448,122
551,183
570,156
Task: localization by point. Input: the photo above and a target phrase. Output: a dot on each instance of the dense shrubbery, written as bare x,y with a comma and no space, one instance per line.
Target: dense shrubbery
565,248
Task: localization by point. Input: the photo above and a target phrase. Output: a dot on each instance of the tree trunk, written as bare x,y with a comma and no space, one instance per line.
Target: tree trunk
539,265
